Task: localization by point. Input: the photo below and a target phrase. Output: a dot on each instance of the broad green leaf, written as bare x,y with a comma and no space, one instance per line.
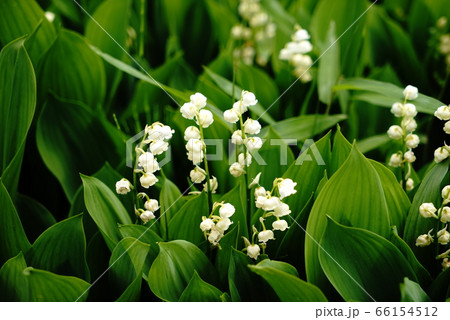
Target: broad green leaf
353,195
223,256
18,18
40,40
26,284
14,285
440,288
284,21
45,286
397,201
287,286
329,66
61,249
372,143
428,191
17,105
34,216
304,127
126,265
71,70
171,201
222,26
412,292
174,267
278,265
112,16
423,276
200,291
245,285
12,235
105,209
71,139
186,222
341,150
349,18
361,265
227,87
307,171
423,103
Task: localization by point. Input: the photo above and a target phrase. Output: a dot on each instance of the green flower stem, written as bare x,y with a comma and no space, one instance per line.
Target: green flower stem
208,183
136,162
141,28
241,123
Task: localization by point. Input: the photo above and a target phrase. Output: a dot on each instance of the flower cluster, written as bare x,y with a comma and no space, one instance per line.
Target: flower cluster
444,40
296,51
404,133
272,205
195,144
214,226
241,137
256,32
156,138
428,210
442,153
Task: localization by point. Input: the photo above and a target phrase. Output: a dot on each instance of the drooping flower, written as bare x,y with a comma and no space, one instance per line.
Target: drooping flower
123,186
410,92
265,236
148,162
213,183
146,216
226,210
231,116
280,225
286,187
188,110
206,224
428,210
444,213
197,175
440,154
443,236
191,132
443,113
253,251
147,180
205,118
252,126
424,239
236,169
282,210
395,132
151,205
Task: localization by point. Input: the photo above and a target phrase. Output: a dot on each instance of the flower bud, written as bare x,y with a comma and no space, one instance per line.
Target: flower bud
252,126
148,162
147,180
231,116
424,240
412,141
245,161
427,210
205,118
248,99
188,110
191,132
146,216
410,93
280,225
409,124
223,225
198,100
395,132
236,137
282,210
226,210
197,175
237,169
446,194
206,224
213,183
158,147
260,192
447,127
397,109
123,186
443,113
409,110
409,156
300,35
443,236
396,160
255,180
440,154
253,251
253,143
444,213
286,187
409,184
445,264
265,236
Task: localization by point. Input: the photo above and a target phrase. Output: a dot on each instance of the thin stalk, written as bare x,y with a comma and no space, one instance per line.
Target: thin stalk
141,28
208,183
